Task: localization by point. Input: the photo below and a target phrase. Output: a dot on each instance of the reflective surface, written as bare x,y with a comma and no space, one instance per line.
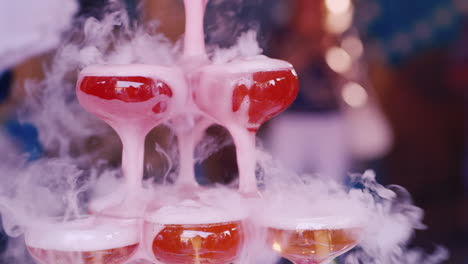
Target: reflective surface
128,89
311,246
270,93
204,243
108,256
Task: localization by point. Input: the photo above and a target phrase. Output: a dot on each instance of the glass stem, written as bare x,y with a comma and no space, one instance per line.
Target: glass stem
246,153
133,153
186,144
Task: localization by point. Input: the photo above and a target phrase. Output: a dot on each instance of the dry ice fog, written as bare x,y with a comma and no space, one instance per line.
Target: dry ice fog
73,170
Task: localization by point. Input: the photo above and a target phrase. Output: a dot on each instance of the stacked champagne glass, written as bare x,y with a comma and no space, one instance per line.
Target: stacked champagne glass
186,223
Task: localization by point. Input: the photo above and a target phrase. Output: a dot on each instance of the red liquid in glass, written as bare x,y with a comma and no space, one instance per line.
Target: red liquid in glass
218,243
242,101
132,105
108,256
245,99
271,93
127,89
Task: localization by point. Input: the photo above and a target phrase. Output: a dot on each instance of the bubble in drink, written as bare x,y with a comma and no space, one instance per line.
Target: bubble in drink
312,245
199,243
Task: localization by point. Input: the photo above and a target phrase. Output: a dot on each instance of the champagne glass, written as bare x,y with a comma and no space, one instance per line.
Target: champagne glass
86,240
194,231
241,95
312,240
132,99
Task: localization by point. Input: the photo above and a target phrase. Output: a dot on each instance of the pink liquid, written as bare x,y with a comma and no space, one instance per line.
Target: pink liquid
108,256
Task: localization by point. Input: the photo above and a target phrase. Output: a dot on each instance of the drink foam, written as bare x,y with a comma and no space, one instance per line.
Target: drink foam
82,235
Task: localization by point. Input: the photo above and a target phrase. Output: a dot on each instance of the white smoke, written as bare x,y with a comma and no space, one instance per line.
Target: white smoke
55,184
386,216
32,27
51,104
42,188
246,46
75,143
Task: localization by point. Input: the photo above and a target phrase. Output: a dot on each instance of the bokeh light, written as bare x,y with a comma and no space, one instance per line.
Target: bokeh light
338,6
338,60
354,94
339,16
353,46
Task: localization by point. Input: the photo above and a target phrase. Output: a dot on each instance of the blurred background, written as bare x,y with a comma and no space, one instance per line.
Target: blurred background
383,85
